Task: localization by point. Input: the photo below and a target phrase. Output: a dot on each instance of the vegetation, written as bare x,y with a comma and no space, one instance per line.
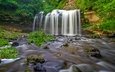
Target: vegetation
23,11
3,42
7,35
8,53
106,26
104,9
39,37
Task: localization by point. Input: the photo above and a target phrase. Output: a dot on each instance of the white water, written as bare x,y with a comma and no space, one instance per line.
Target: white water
34,22
61,22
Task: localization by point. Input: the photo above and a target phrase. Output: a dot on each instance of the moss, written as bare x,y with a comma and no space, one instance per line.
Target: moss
8,53
35,59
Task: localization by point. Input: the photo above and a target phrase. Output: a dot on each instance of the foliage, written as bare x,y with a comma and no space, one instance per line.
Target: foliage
8,53
5,34
104,8
107,26
24,10
86,25
84,4
3,42
49,5
61,4
39,37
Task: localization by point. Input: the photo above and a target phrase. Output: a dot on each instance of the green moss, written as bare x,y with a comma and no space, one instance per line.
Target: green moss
8,53
3,42
39,37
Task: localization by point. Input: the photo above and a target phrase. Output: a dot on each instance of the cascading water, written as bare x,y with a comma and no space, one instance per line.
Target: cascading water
38,21
60,22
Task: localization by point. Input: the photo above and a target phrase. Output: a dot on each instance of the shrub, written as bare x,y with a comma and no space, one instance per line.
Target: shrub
8,53
39,37
3,42
107,26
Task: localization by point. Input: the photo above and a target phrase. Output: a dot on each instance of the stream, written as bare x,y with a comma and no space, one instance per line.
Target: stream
65,54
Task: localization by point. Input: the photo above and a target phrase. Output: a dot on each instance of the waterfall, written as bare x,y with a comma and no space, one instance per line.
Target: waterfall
60,22
38,21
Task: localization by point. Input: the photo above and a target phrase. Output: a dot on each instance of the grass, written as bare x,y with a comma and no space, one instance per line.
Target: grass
39,37
8,53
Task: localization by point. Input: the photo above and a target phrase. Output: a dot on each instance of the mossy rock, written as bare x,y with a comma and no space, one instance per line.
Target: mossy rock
93,52
35,59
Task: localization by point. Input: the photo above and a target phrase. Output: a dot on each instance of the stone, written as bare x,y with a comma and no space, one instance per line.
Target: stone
79,68
93,52
39,68
53,66
65,45
15,44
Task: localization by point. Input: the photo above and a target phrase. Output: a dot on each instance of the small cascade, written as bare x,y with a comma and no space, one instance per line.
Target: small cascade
59,22
38,21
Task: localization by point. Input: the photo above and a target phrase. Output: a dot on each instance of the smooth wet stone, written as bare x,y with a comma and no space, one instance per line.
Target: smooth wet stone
85,67
11,65
53,66
106,66
6,61
105,71
79,68
15,44
39,68
71,69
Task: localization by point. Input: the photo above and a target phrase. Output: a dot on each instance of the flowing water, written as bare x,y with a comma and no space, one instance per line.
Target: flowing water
66,54
59,22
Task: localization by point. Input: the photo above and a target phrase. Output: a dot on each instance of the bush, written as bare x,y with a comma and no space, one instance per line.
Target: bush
3,42
107,26
8,53
61,4
39,37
